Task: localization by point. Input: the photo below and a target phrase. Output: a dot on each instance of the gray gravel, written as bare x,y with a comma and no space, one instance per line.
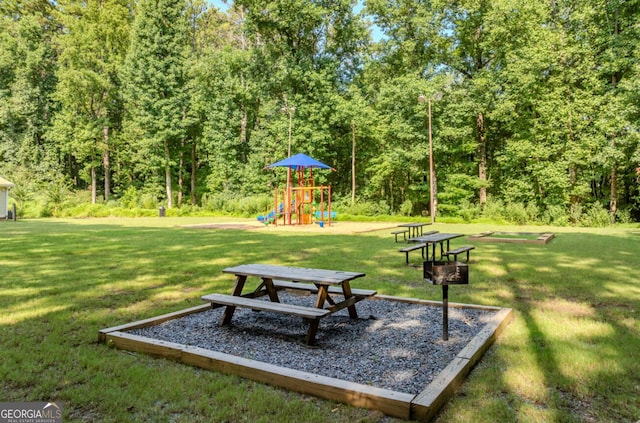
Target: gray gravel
391,345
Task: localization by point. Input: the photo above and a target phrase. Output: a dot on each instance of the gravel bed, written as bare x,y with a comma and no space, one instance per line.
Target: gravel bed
392,345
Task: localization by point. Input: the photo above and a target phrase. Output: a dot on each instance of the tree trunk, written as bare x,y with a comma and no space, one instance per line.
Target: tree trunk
183,142
482,158
613,199
93,184
391,202
106,164
167,174
180,173
353,163
194,170
573,173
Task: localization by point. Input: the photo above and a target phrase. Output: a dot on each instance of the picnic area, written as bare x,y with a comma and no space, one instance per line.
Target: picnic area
567,353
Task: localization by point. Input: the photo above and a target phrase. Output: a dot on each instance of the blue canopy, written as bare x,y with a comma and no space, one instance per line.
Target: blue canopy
300,161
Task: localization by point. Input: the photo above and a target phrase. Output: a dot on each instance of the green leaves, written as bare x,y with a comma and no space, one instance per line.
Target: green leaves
537,100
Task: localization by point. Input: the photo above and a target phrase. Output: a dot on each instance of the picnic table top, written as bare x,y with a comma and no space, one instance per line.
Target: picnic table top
296,274
437,237
414,224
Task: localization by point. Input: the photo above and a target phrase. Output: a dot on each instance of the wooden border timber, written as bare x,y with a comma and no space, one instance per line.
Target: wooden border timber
543,237
153,320
424,406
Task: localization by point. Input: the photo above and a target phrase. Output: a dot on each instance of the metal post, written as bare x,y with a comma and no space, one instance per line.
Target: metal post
445,312
432,183
287,217
432,210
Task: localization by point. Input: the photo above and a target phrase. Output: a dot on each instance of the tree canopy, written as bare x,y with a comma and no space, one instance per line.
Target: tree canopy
534,104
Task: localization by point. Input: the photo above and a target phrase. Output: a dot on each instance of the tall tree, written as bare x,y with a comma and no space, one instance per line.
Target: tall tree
155,86
27,79
313,52
93,47
617,41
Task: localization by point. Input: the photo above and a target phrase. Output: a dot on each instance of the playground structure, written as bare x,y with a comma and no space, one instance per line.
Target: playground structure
305,203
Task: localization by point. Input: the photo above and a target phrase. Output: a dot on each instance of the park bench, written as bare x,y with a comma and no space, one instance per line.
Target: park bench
460,250
412,247
402,232
254,304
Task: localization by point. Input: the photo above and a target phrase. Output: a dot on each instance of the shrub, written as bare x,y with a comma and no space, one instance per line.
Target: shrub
624,216
233,203
406,208
468,211
494,210
129,198
516,213
256,204
575,214
361,208
148,201
212,202
596,216
555,215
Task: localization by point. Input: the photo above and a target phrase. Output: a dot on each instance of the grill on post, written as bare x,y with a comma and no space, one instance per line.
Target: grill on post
446,273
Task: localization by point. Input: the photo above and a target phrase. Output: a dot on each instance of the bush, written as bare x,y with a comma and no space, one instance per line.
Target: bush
575,214
468,211
406,208
624,216
249,206
555,215
360,208
130,198
233,203
494,210
87,210
148,201
596,216
516,213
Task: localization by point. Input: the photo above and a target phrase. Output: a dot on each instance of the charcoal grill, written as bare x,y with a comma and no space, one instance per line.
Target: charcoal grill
446,273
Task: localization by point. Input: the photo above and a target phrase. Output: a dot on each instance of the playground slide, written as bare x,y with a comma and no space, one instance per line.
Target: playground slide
271,216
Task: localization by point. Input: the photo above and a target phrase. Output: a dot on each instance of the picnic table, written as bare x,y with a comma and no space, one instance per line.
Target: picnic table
433,240
323,282
415,229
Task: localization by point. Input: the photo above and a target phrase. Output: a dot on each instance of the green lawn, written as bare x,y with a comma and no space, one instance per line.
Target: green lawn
571,353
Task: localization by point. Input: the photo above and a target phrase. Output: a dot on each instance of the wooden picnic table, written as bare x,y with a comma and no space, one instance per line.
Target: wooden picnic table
433,239
274,278
415,228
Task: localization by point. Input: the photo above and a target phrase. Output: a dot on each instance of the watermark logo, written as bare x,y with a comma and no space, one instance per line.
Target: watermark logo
30,412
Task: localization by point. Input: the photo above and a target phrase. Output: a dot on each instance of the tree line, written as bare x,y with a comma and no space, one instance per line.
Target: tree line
533,105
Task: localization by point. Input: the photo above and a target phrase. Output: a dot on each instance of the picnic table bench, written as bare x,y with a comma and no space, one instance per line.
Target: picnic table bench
233,300
403,232
417,246
460,250
413,247
274,278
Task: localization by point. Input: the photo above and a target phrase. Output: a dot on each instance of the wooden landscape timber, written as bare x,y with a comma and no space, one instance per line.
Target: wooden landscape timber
422,406
513,237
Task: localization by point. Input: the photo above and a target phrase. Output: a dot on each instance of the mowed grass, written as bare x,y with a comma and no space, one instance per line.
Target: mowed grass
571,353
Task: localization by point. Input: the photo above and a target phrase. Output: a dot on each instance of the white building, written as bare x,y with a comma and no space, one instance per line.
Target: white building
5,186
